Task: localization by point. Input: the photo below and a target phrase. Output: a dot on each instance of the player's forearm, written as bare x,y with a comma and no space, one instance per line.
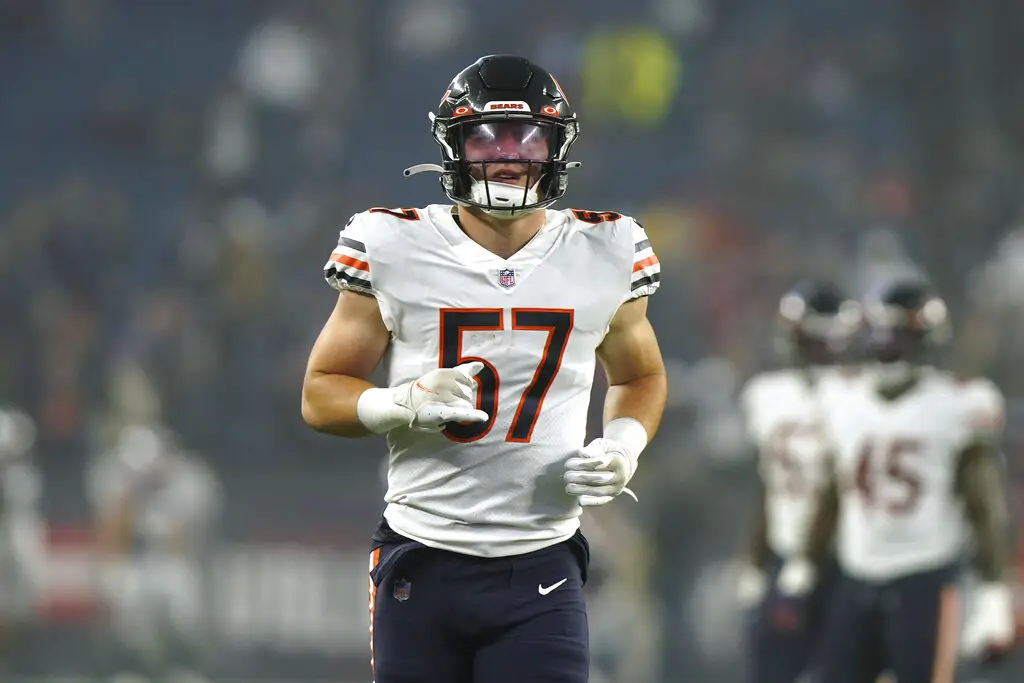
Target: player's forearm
757,545
823,526
642,399
330,404
113,537
982,492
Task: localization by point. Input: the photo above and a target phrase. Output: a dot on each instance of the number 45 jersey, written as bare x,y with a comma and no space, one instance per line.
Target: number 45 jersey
535,321
896,464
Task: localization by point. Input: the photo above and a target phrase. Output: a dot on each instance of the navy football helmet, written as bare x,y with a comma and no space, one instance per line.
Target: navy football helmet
816,323
906,322
504,127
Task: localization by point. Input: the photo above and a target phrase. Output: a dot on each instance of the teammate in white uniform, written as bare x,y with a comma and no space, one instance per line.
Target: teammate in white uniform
816,325
491,314
22,533
916,477
156,507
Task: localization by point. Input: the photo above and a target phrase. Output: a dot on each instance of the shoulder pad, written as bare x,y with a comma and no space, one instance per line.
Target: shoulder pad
595,217
986,405
395,214
348,266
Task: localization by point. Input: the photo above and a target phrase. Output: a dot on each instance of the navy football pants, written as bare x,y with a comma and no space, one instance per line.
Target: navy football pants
907,626
784,631
441,617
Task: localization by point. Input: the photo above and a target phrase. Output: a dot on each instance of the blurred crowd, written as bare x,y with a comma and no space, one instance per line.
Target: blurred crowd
175,173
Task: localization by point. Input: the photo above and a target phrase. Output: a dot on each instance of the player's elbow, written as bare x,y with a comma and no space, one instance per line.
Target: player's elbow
328,406
313,412
310,415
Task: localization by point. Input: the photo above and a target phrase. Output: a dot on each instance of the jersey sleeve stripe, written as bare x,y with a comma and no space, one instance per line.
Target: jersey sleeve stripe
350,262
647,263
340,279
645,277
645,281
352,244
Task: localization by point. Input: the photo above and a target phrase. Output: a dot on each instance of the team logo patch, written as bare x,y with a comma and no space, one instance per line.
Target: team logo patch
507,277
506,105
401,590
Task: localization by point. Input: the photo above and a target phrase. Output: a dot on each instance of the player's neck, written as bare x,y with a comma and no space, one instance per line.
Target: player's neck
812,373
500,237
896,381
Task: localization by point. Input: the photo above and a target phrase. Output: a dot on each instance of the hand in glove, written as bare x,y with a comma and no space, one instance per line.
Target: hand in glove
989,629
751,585
600,472
426,404
796,578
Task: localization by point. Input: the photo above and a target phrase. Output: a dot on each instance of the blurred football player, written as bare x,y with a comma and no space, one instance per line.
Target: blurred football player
156,507
816,324
22,532
492,313
916,475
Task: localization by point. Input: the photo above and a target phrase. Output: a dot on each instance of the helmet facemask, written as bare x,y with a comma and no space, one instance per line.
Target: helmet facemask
901,341
506,166
815,338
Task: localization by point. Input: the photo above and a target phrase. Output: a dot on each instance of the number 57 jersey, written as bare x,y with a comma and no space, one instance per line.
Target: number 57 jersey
535,321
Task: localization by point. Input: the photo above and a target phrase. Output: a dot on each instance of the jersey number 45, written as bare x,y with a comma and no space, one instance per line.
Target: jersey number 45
557,322
884,478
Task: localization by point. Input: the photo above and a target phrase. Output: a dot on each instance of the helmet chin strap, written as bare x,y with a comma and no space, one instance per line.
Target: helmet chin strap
483,194
502,199
422,168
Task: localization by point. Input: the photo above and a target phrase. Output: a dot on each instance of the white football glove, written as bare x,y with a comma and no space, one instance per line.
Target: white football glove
600,472
426,404
796,578
441,396
751,585
989,628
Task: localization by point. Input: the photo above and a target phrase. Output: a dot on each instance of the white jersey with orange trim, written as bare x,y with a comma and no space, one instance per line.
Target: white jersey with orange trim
896,464
782,414
535,320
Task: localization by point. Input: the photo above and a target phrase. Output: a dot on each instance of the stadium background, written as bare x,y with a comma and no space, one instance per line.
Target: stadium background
173,174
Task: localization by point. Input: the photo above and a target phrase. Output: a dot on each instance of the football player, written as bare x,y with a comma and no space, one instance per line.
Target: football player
155,509
22,535
492,312
916,475
816,323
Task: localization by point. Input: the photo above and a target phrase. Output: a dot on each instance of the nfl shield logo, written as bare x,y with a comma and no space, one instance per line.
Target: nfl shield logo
402,590
507,277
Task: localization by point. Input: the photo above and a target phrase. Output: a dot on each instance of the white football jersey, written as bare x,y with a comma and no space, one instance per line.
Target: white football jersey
179,497
535,321
782,413
22,537
20,488
896,463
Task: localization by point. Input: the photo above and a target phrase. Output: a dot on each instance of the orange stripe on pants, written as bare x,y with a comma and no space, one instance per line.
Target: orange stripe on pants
372,590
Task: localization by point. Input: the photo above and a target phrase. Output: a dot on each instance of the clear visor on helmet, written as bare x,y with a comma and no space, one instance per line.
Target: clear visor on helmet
507,151
507,139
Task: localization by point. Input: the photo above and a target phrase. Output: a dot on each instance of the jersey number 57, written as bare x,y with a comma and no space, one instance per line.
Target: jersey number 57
557,322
